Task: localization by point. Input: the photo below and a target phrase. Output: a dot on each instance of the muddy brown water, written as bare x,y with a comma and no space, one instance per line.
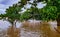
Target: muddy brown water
30,31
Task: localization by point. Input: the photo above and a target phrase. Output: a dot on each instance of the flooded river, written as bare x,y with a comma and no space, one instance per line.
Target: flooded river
45,30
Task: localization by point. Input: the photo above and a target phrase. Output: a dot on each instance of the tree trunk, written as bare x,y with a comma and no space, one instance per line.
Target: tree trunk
58,22
14,24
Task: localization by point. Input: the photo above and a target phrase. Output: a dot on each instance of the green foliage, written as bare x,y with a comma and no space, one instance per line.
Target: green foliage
50,12
12,12
25,16
2,16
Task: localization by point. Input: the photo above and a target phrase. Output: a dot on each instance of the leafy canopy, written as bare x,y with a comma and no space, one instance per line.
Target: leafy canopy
50,12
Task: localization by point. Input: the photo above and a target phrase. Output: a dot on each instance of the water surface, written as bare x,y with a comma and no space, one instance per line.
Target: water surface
44,30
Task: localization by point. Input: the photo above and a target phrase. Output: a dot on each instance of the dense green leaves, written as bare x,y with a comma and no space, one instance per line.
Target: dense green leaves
25,16
50,12
12,12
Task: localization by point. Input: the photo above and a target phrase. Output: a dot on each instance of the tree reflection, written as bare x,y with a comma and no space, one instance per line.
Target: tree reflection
13,32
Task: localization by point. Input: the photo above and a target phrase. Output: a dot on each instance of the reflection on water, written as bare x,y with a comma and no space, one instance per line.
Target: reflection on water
27,30
13,32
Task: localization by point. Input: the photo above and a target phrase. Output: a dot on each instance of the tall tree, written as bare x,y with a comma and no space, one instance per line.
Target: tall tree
50,12
12,14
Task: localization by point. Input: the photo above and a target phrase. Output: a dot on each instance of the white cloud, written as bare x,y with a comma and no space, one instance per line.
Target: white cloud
1,0
40,5
31,1
2,11
28,5
5,4
12,2
2,6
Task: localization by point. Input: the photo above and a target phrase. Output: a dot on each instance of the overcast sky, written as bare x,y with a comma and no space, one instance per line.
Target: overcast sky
5,4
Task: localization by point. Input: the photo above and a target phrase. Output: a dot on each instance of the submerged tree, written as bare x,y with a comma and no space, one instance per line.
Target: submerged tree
49,12
12,14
